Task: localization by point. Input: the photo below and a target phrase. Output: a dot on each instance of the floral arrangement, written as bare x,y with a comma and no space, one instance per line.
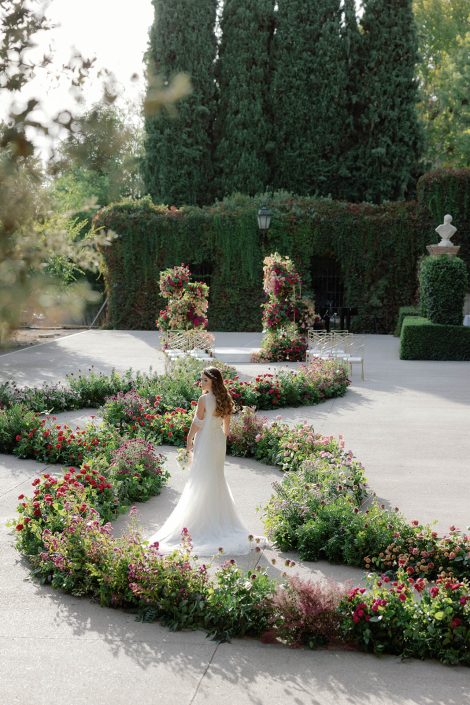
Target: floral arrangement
183,458
280,276
174,281
187,301
286,316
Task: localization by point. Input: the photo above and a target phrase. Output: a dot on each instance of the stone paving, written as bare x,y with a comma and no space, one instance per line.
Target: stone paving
407,422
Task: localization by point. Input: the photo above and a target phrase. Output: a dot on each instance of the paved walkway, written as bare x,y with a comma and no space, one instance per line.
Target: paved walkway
408,423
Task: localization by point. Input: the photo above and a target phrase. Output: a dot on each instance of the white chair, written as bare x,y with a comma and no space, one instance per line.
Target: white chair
355,355
318,342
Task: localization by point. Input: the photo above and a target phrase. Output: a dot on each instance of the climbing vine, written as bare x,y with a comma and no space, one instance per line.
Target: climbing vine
377,248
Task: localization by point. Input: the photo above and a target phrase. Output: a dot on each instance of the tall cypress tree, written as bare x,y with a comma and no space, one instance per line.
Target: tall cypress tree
243,71
308,95
178,161
347,187
387,133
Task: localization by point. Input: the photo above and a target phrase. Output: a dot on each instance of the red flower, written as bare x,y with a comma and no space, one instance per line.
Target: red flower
18,437
21,496
456,622
19,527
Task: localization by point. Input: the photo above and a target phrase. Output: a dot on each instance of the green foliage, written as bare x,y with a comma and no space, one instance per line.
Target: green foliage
443,284
242,128
99,160
410,618
423,340
447,191
361,237
283,344
137,471
238,604
444,44
387,138
309,76
177,164
402,313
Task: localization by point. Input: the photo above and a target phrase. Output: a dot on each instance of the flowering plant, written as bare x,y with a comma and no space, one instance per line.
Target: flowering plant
187,301
286,316
283,344
183,458
174,281
280,276
138,471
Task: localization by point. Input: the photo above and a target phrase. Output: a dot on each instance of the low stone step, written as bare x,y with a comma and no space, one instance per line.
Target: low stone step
233,355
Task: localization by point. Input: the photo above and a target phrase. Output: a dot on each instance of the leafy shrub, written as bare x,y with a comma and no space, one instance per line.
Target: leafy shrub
290,515
239,603
57,443
49,397
14,421
423,340
410,617
181,387
288,447
420,551
402,313
305,613
93,387
137,470
244,429
443,623
125,408
381,619
285,343
443,283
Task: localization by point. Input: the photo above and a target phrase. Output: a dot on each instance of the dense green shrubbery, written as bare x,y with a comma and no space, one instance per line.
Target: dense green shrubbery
423,340
443,284
222,243
403,312
410,617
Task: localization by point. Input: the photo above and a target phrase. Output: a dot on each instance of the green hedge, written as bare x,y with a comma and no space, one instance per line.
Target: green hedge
443,282
423,340
377,248
402,313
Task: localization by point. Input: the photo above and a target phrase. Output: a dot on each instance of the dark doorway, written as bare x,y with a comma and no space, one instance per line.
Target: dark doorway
328,288
201,272
327,283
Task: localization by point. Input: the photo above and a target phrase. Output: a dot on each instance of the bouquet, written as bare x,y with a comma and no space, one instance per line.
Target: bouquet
183,458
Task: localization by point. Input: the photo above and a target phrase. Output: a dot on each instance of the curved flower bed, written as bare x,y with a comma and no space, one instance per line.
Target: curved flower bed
418,606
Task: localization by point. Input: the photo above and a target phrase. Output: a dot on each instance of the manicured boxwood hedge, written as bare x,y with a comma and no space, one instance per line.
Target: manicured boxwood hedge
443,282
423,340
402,313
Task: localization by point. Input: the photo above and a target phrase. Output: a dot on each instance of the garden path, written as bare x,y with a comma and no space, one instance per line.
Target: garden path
408,423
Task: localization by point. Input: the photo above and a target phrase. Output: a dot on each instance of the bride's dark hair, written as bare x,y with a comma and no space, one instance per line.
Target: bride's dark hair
223,400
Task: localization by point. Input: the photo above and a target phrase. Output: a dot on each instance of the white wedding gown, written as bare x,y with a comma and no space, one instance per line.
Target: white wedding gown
206,507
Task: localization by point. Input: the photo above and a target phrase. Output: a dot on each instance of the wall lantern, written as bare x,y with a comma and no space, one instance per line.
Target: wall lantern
264,219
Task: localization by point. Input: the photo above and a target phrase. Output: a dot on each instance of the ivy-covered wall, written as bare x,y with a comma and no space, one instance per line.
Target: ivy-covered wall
377,248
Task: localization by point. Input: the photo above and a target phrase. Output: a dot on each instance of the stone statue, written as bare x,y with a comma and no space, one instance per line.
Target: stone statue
446,231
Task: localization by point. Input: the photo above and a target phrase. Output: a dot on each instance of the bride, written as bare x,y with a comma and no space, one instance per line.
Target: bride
206,508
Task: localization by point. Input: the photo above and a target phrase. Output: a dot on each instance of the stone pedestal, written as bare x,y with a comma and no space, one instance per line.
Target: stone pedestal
443,249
